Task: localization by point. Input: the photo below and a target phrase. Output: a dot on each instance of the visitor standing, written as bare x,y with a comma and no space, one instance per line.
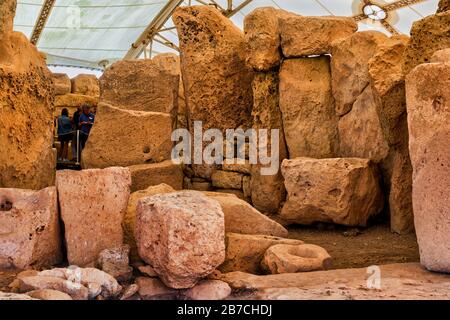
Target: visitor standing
64,134
86,122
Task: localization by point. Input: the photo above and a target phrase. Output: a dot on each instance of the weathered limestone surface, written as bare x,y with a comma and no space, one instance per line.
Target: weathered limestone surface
126,137
181,235
29,228
441,56
444,5
262,35
208,290
216,79
340,190
227,179
86,84
307,106
61,83
240,217
26,107
304,36
285,258
129,220
141,85
428,35
92,203
402,281
388,89
145,175
428,96
72,100
245,252
360,133
349,67
171,63
267,191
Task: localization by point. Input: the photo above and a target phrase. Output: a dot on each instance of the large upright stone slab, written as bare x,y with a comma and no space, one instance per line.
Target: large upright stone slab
349,67
339,190
388,88
428,35
360,133
428,105
92,204
267,191
262,35
140,85
126,137
26,110
29,228
307,107
304,36
216,79
181,235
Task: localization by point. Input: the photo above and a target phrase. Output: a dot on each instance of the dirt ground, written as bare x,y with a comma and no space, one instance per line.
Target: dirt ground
360,247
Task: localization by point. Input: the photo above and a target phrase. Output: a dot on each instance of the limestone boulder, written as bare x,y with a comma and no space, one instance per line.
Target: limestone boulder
92,205
285,258
7,296
96,281
428,109
74,100
339,190
155,289
360,132
441,56
208,290
29,228
267,191
227,179
129,221
115,262
86,84
216,79
141,85
304,36
125,137
307,107
26,98
262,36
428,35
240,217
388,89
76,291
152,174
349,67
181,235
245,252
49,294
61,83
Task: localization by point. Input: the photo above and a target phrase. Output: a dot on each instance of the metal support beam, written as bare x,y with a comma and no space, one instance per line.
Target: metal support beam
153,28
231,13
41,21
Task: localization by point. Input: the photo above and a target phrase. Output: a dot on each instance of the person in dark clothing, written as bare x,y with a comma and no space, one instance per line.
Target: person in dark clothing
64,134
75,121
85,123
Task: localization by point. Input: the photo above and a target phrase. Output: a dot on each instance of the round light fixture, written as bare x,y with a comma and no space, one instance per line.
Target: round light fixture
374,12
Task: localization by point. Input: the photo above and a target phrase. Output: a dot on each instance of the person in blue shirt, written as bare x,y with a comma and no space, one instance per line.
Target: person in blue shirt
86,122
64,134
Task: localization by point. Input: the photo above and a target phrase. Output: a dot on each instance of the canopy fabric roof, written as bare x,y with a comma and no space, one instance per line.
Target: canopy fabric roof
95,33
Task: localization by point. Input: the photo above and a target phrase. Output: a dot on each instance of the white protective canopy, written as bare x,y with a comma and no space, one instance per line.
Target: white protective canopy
95,33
